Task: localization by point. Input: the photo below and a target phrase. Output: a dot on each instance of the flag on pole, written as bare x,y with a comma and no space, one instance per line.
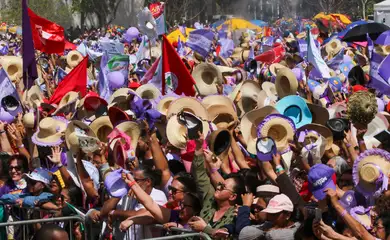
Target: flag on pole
76,81
337,60
154,75
48,36
201,41
314,57
175,75
377,80
384,70
30,72
180,48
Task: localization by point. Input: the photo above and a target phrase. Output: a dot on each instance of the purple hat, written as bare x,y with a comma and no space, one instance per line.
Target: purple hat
115,80
265,149
115,184
320,178
362,215
131,34
298,74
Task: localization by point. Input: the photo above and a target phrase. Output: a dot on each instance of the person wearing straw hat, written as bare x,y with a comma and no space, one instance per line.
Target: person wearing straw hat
50,131
207,76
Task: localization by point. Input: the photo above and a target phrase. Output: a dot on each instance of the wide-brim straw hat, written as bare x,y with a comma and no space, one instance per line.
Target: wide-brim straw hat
163,104
333,47
102,127
73,131
249,123
132,130
286,83
320,114
207,76
320,129
177,133
73,58
240,54
264,100
249,96
148,91
121,95
13,65
370,170
275,67
221,111
50,131
68,103
33,96
278,127
31,119
270,90
188,104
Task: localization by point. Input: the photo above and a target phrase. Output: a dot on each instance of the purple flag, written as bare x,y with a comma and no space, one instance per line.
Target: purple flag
370,46
200,41
227,47
377,82
384,70
268,41
29,63
302,45
337,60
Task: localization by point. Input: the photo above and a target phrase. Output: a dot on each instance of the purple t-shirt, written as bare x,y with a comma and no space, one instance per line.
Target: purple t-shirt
10,187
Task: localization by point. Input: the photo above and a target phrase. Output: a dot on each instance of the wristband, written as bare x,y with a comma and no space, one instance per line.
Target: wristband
343,213
213,170
348,145
131,184
279,169
21,146
59,165
2,131
361,142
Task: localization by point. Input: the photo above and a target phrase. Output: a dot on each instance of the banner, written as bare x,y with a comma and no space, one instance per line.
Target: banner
7,89
200,41
302,46
377,81
112,47
104,89
119,63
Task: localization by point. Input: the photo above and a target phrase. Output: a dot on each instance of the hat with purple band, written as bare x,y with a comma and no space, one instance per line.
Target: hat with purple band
265,149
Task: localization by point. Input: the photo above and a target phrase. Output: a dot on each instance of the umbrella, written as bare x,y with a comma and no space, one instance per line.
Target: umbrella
350,26
383,39
217,23
237,23
359,33
174,36
259,23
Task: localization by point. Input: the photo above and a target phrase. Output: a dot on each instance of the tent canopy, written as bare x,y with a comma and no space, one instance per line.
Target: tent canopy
382,6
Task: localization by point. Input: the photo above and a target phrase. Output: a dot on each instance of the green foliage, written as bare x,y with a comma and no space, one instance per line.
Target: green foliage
52,10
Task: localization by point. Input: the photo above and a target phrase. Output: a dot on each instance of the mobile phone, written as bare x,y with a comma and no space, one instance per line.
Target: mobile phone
314,212
383,137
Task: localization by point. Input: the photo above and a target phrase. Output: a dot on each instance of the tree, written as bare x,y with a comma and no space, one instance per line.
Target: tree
53,10
328,6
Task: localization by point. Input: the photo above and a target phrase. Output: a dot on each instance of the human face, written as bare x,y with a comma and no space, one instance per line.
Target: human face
176,192
15,170
142,181
379,230
65,195
224,191
34,187
278,219
187,210
54,188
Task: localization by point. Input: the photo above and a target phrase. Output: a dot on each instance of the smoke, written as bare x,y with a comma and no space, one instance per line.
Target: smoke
238,8
294,5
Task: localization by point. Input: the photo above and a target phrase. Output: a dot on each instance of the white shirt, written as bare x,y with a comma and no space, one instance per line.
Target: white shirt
137,232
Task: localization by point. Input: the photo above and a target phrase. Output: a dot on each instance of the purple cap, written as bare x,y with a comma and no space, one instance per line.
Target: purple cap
115,184
265,148
320,178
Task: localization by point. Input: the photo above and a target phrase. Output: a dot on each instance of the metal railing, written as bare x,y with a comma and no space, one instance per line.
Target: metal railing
185,233
25,223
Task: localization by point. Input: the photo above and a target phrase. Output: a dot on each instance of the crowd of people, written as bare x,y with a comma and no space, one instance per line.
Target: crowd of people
274,144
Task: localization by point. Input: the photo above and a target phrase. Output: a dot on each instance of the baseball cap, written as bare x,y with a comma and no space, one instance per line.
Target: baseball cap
320,178
39,175
278,204
267,190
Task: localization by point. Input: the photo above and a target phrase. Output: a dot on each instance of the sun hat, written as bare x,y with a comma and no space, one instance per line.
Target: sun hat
320,115
249,123
333,47
249,96
164,103
132,130
187,104
207,76
102,127
264,100
219,142
312,130
117,116
265,149
50,131
115,185
270,89
33,96
362,107
74,130
320,177
68,103
267,190
275,68
221,111
295,108
39,175
362,215
121,98
31,119
278,204
286,83
73,58
148,91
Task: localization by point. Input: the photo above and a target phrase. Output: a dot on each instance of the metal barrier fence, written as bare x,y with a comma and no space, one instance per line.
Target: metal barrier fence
25,223
185,233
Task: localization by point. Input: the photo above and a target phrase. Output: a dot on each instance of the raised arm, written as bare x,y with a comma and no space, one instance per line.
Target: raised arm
160,160
239,157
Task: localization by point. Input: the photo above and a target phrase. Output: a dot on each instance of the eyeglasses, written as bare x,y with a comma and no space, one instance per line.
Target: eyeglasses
221,186
137,180
174,190
17,168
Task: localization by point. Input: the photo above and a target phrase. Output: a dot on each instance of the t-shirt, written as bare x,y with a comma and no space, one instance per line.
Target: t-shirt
136,232
10,188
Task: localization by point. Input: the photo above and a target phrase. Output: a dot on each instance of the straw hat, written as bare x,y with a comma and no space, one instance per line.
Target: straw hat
385,49
102,127
148,91
73,131
13,66
275,67
278,127
333,47
221,111
177,133
320,114
286,83
68,103
207,76
249,96
240,54
164,103
320,129
33,96
249,124
121,98
219,142
370,172
188,104
74,58
31,119
233,95
270,89
264,100
132,130
50,131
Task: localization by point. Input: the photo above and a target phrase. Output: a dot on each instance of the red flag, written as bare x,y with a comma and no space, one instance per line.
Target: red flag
48,36
175,74
274,55
75,81
156,9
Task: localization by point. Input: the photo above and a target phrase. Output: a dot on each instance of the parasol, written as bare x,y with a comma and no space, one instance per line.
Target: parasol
237,23
383,39
359,33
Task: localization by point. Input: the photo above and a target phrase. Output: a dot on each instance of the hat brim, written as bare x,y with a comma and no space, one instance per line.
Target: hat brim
320,194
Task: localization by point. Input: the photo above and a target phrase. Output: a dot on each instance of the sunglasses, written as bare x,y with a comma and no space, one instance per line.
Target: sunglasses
221,186
137,180
17,168
174,190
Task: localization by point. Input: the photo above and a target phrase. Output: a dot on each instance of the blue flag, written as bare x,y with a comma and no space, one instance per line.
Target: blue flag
315,58
60,74
337,60
103,86
200,41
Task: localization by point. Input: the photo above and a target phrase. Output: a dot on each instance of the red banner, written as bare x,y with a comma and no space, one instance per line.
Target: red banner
156,9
